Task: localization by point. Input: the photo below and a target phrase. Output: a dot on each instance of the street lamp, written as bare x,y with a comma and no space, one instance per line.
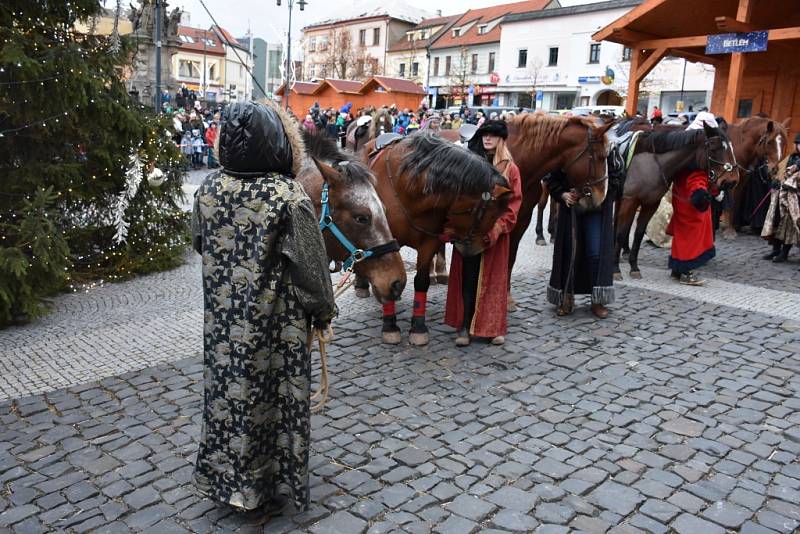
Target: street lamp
290,3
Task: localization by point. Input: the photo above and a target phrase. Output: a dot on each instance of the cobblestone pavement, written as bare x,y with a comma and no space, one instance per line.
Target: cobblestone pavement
678,413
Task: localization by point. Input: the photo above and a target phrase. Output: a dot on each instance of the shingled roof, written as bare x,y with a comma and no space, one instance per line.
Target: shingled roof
192,39
340,86
393,85
474,18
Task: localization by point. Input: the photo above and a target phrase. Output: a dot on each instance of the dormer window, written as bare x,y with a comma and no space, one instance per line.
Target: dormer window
456,32
482,29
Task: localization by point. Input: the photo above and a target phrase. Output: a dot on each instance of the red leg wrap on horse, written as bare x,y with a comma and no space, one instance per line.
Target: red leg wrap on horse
420,298
388,309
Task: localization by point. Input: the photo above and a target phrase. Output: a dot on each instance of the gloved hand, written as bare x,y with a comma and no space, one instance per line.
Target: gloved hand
701,200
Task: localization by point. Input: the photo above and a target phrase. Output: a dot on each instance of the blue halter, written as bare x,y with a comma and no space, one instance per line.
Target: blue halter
356,254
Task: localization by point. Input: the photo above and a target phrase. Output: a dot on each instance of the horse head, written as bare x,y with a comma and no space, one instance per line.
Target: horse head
352,217
772,143
585,164
717,157
466,187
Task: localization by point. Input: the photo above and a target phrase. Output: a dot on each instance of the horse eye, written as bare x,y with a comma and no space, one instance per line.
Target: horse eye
361,219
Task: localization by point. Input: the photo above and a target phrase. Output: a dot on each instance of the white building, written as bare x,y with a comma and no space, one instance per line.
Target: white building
463,59
549,57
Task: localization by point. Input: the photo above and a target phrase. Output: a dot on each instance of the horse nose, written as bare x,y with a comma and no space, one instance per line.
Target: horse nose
397,290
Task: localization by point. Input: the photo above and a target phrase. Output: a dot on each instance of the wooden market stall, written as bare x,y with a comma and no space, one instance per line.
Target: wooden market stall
377,91
336,93
384,91
753,44
301,96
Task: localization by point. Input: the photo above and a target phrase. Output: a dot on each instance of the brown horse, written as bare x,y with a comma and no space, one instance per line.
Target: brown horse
658,157
356,210
363,131
755,139
542,143
434,191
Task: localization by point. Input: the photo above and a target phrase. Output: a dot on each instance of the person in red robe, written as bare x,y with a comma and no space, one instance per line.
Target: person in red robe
691,226
477,291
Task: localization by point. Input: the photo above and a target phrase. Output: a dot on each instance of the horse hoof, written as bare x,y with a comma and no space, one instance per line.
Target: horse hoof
442,279
636,275
618,277
391,338
419,339
541,242
729,233
362,292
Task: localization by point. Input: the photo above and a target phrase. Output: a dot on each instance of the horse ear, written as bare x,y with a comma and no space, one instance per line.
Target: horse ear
710,130
787,122
328,173
770,127
499,191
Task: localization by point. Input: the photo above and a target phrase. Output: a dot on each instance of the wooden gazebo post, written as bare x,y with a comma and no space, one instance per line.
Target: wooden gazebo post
642,62
736,72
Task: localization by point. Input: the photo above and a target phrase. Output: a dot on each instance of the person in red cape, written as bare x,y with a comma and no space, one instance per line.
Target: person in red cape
691,226
477,292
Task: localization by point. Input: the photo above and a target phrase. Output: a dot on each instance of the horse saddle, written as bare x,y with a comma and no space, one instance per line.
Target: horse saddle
625,146
384,140
361,121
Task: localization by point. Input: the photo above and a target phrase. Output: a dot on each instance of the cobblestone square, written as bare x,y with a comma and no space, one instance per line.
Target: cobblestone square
679,413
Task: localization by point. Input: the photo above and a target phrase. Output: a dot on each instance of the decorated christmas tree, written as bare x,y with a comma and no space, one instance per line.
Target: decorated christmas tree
89,179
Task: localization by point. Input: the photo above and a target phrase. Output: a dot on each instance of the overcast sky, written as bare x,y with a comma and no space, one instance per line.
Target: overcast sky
269,21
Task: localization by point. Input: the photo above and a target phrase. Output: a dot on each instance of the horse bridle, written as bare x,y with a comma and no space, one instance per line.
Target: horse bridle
726,167
477,211
586,189
356,254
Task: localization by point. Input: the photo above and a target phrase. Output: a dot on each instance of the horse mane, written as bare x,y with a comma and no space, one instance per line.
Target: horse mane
539,130
323,148
662,141
626,124
373,126
447,168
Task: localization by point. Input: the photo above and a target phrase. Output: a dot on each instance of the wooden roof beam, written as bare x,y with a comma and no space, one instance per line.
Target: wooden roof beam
626,36
697,58
731,25
626,19
779,34
650,61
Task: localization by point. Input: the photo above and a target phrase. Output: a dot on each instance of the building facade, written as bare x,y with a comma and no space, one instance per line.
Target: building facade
236,80
356,44
266,59
548,60
408,57
199,63
464,59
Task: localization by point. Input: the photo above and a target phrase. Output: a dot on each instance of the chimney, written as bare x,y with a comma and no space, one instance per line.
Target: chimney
438,12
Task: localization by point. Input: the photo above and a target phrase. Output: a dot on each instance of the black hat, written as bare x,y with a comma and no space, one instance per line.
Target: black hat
797,139
491,127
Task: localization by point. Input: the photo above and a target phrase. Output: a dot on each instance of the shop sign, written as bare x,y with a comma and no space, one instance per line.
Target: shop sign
726,43
588,79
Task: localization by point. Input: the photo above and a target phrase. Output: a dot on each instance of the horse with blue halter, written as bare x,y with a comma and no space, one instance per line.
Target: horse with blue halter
352,218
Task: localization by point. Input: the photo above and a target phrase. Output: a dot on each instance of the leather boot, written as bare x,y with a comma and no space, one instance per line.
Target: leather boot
567,306
599,310
783,255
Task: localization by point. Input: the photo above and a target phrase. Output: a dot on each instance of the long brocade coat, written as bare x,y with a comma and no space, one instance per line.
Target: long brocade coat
265,278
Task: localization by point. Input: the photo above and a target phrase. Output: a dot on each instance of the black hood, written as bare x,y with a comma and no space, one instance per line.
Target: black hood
253,141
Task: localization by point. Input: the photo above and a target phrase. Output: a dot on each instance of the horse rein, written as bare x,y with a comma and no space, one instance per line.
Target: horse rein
356,254
586,189
726,167
477,211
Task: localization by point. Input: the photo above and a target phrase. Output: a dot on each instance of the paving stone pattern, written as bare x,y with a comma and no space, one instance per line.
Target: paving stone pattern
673,415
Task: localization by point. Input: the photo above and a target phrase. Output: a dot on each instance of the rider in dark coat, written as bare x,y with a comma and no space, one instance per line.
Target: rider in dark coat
583,255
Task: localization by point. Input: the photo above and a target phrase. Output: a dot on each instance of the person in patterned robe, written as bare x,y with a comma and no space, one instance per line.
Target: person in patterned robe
265,282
